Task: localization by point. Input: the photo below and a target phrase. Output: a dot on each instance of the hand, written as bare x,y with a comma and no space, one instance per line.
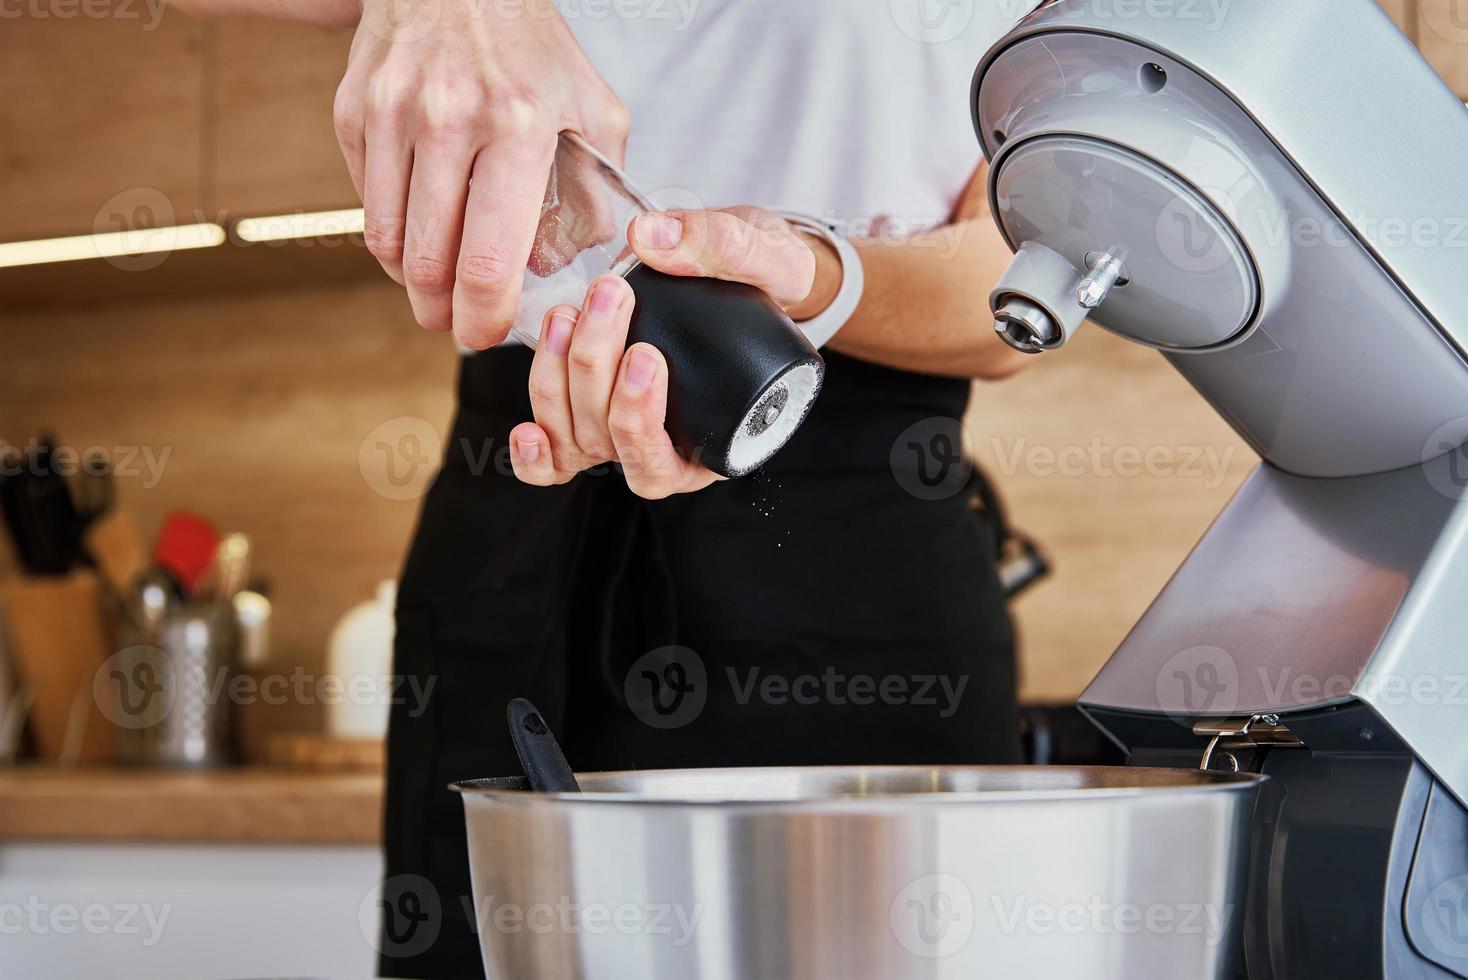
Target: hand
448,117
596,400
743,244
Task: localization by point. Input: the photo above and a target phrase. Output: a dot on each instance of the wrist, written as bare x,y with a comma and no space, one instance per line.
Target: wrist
827,280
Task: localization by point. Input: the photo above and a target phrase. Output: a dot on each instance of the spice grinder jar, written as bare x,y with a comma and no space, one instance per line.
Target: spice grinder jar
742,376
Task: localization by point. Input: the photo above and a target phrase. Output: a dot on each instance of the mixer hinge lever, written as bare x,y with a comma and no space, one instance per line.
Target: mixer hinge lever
1229,737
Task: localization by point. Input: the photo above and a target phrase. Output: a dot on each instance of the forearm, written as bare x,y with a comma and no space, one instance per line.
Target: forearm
326,13
926,305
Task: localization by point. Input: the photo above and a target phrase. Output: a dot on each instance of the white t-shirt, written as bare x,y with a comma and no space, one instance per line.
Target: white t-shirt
852,111
855,111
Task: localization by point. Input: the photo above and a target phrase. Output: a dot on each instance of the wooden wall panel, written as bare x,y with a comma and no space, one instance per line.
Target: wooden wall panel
1064,439
95,107
1442,33
273,143
1404,12
257,409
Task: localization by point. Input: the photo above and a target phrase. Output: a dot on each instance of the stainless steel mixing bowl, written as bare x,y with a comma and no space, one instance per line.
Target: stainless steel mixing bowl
1040,873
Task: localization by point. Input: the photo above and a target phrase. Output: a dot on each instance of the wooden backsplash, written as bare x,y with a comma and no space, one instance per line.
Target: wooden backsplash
1113,462
257,409
258,406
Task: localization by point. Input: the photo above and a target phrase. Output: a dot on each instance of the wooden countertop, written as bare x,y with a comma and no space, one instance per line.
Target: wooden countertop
254,806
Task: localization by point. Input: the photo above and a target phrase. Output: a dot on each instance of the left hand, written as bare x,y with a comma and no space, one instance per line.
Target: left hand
596,400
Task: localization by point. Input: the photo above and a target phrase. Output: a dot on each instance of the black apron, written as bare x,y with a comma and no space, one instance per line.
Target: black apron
839,607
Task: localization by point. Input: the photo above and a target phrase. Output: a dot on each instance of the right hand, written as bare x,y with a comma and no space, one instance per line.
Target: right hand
595,399
448,118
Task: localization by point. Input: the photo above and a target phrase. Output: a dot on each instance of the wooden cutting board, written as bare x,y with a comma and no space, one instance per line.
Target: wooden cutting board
310,752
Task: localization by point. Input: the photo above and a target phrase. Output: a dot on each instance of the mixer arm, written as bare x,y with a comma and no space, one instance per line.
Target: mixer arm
1251,193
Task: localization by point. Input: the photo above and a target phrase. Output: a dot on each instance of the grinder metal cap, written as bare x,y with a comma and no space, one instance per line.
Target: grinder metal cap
776,414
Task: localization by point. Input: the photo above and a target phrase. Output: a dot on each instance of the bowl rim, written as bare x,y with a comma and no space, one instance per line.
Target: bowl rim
509,790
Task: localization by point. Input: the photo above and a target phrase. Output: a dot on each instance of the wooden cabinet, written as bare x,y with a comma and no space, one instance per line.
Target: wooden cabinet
100,120
274,148
115,122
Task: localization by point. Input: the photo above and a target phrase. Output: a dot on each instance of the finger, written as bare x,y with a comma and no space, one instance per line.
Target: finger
722,245
550,398
387,164
436,195
605,124
508,186
530,456
347,111
596,353
652,466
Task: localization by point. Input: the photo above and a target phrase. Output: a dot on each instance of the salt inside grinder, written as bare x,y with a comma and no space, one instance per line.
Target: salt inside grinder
742,376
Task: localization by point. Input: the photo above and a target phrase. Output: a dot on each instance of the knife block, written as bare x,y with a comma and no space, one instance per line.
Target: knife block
58,636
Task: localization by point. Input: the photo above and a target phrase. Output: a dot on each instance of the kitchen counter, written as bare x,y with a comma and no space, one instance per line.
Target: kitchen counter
246,806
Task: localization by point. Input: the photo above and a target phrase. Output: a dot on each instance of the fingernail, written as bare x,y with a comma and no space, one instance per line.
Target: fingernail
641,366
558,334
529,450
607,297
659,230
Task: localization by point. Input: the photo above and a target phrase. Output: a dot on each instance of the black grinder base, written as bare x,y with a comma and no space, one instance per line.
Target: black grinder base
742,376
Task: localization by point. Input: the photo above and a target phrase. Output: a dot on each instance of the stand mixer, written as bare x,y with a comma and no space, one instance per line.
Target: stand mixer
1275,199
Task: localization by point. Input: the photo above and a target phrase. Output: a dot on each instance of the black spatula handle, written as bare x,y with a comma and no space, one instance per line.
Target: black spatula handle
540,756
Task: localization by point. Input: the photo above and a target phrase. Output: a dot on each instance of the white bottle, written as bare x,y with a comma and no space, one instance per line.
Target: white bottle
360,655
